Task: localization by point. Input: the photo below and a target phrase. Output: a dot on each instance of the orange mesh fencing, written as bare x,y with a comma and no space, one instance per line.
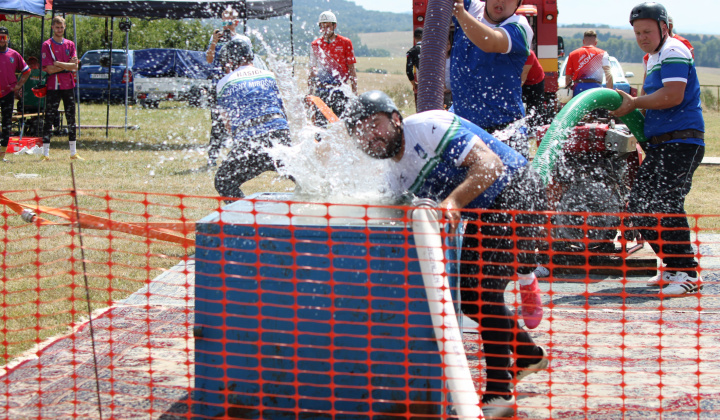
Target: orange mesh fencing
141,305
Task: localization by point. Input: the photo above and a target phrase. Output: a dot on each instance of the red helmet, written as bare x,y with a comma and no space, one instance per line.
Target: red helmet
39,91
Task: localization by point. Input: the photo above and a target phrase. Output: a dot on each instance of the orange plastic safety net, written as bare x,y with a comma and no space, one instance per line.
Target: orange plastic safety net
136,305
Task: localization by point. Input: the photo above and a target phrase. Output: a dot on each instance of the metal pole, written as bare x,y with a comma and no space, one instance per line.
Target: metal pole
127,71
107,115
47,79
78,79
22,53
292,41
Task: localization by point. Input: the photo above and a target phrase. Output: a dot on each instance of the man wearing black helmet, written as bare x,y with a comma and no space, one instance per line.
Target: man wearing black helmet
675,130
441,156
252,112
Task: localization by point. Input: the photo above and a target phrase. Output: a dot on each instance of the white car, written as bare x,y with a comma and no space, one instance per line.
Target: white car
619,80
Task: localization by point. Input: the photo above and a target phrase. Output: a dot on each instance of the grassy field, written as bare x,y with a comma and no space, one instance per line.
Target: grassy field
44,288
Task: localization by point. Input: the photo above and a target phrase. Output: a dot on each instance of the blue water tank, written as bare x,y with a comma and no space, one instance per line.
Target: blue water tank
311,311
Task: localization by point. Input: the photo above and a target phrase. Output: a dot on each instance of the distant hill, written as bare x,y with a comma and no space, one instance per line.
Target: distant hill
352,21
621,44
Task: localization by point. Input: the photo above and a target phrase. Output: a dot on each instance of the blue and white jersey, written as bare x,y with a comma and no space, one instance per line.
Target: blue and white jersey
436,145
486,87
248,95
674,63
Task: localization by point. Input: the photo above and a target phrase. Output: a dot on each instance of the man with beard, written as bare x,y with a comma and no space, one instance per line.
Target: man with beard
438,155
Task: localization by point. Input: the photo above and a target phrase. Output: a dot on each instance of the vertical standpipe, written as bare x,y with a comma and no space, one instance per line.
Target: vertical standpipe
428,242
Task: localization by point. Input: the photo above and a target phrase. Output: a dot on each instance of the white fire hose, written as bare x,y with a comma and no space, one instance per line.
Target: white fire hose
428,242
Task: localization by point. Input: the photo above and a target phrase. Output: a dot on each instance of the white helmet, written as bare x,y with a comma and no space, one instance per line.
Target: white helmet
327,16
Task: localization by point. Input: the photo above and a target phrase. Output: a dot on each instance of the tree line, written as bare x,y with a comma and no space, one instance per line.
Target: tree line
707,47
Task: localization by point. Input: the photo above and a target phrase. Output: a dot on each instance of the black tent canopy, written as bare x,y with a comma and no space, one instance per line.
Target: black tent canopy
174,9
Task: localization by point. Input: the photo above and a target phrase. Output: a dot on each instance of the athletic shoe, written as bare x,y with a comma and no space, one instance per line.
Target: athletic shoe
76,157
531,306
543,364
680,283
45,158
497,407
541,271
661,276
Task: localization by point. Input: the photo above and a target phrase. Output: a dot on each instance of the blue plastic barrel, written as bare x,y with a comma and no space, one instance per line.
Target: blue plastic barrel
314,312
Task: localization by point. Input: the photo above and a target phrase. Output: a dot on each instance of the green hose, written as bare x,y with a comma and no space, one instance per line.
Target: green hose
556,136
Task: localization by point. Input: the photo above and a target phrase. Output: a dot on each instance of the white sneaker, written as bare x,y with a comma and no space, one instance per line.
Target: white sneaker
498,407
541,271
543,364
660,276
680,283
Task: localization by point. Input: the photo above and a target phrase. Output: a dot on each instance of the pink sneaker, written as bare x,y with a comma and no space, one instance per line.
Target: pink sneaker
531,306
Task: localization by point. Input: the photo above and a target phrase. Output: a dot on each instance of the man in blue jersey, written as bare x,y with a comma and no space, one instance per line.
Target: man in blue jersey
490,48
441,156
252,112
675,130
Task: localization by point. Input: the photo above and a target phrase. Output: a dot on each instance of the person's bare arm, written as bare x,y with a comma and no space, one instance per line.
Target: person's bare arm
353,77
210,54
484,168
23,78
526,70
58,66
668,96
608,77
484,37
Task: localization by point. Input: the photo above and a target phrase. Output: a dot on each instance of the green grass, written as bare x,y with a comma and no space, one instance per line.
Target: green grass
43,289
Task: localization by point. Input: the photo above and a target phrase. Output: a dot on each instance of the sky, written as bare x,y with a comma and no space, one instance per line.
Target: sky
689,16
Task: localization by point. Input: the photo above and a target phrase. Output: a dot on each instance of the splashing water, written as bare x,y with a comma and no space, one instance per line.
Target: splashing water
333,169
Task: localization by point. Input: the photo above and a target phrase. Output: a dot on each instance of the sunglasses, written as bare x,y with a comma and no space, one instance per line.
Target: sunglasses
228,22
3,37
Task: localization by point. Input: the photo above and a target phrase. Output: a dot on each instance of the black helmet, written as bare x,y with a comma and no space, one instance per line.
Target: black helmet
654,11
649,10
367,104
238,49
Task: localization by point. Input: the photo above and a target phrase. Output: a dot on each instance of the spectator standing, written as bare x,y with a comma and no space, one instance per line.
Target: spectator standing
59,60
252,112
675,129
11,62
332,65
412,61
490,48
533,90
218,38
586,65
437,155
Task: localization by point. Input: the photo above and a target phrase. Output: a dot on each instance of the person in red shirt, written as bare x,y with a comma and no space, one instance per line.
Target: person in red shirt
59,60
533,89
332,65
585,66
11,62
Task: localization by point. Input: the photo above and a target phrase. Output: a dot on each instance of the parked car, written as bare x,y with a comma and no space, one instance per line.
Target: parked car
95,70
620,80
